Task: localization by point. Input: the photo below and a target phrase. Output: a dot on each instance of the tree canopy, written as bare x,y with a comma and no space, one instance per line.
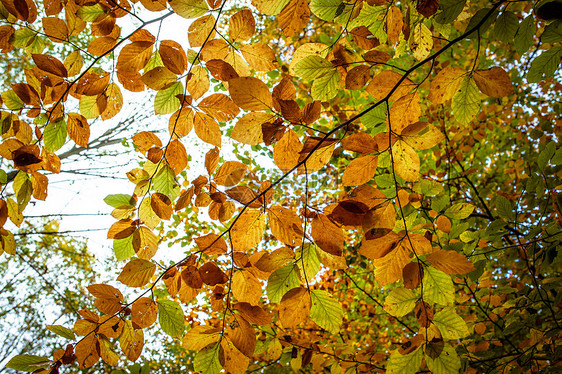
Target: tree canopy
354,186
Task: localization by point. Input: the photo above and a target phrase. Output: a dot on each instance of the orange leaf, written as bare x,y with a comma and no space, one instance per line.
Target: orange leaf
294,307
200,30
230,173
55,29
381,84
161,205
294,17
327,235
176,156
285,225
211,244
246,287
137,273
242,335
173,56
250,93
260,56
198,82
78,129
360,171
133,57
445,84
450,262
144,313
220,107
241,26
253,314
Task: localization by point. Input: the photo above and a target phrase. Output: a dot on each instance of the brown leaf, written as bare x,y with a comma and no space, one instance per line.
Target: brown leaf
357,77
144,313
55,29
494,82
377,57
360,142
311,112
221,70
244,194
211,244
176,156
423,313
121,229
50,64
427,8
364,38
173,56
87,351
327,235
211,274
242,335
381,85
220,107
161,205
394,24
253,314
145,140
413,275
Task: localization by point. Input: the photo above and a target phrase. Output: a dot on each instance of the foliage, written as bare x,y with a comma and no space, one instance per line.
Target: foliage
374,185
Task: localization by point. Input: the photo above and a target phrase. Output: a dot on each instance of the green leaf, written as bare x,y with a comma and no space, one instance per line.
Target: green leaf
375,120
154,62
311,67
451,325
123,248
165,182
307,260
3,177
62,331
11,100
120,200
546,154
475,20
404,364
369,15
326,10
438,287
466,102
22,37
90,13
325,311
89,106
503,205
556,159
459,211
545,65
207,360
506,27
327,86
428,187
400,301
55,135
170,317
281,281
552,33
525,34
28,363
447,362
166,101
450,10
189,8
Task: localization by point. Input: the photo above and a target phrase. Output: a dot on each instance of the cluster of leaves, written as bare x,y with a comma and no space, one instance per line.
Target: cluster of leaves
412,221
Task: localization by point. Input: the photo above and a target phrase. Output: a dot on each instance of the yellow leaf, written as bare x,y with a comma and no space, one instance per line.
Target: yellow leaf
294,307
445,84
404,112
450,262
260,56
248,129
131,341
230,173
406,161
246,287
137,273
241,26
248,230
